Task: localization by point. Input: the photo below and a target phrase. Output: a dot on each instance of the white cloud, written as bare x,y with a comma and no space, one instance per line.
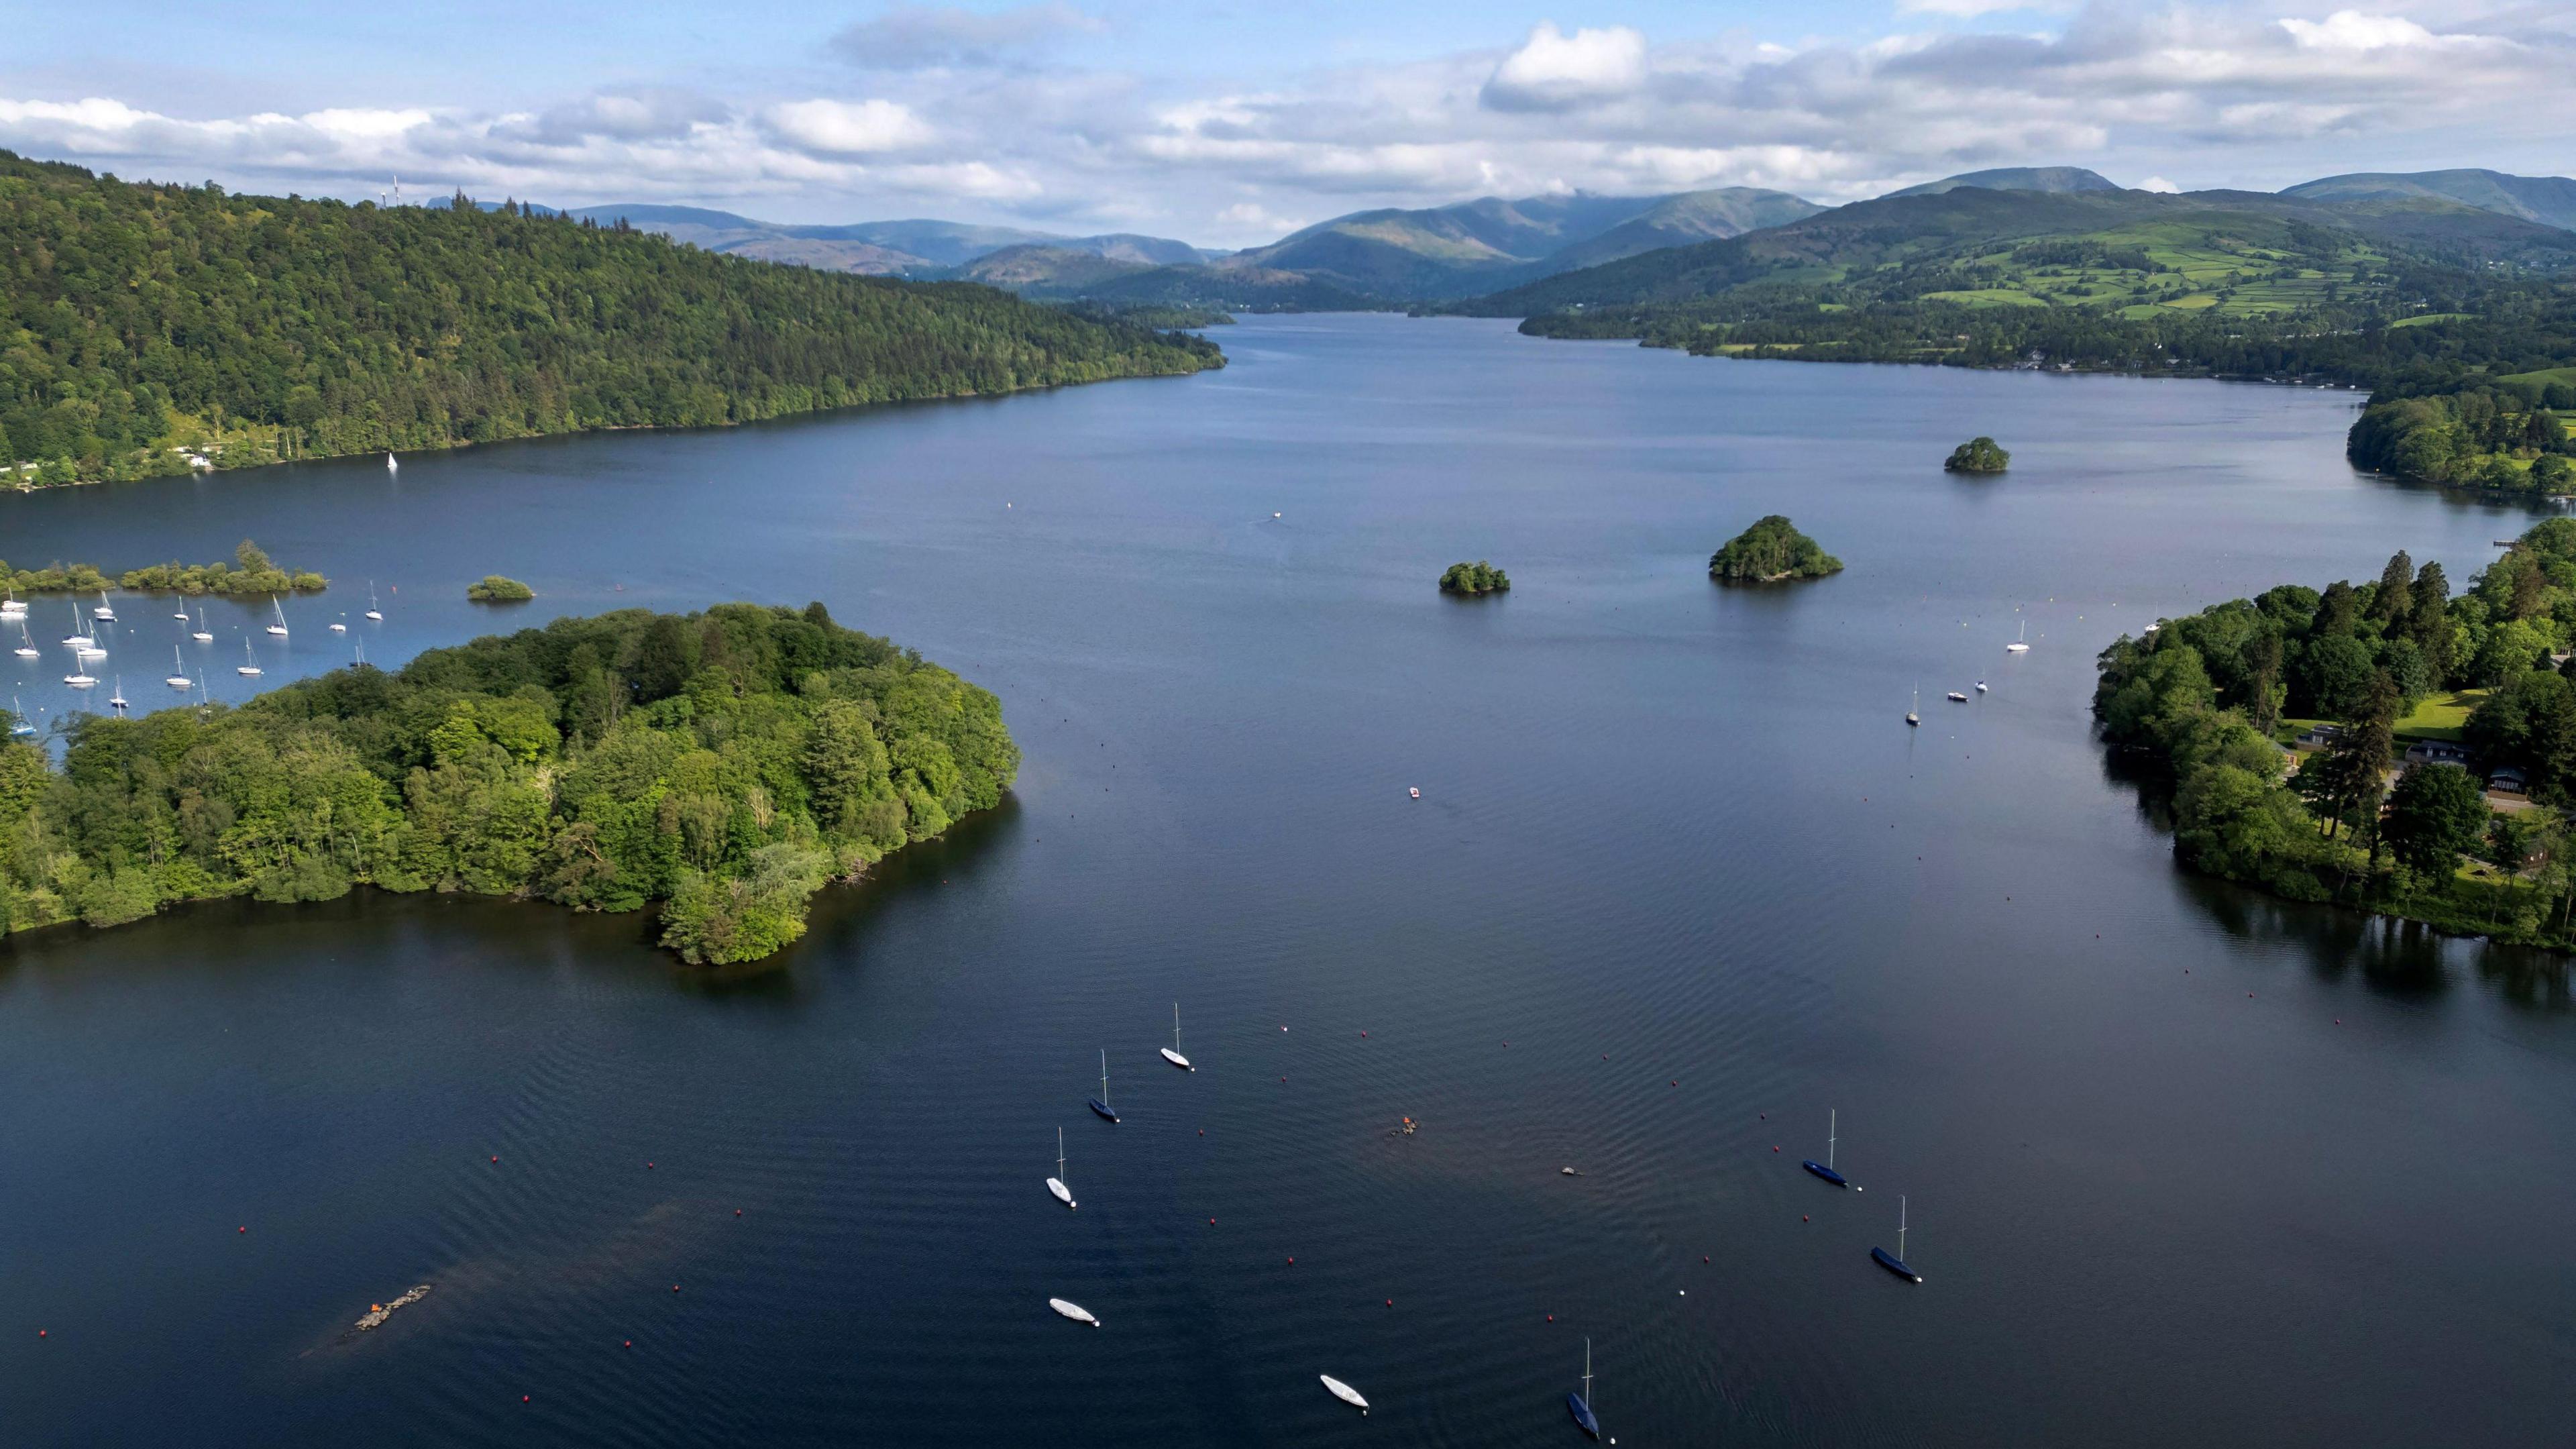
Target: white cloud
2352,30
849,128
1970,9
1556,71
2158,183
2189,89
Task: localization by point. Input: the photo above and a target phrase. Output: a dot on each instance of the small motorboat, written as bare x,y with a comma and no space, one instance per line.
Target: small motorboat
1344,1392
1981,686
1074,1311
1171,1053
1957,698
1100,1104
1415,791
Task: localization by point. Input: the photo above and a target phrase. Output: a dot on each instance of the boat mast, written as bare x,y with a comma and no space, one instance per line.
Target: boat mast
1832,1127
1587,1372
1059,1154
1104,1076
1900,1227
1176,1026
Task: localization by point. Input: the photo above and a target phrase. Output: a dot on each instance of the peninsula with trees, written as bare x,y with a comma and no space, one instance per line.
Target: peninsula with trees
2278,720
150,329
251,572
1771,551
716,767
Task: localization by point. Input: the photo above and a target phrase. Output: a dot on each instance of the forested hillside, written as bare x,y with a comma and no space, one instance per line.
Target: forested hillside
136,319
724,764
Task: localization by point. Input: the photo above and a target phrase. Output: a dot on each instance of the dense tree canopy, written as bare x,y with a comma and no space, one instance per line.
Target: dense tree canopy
723,764
2212,695
495,589
1978,455
1770,551
138,318
251,572
1479,577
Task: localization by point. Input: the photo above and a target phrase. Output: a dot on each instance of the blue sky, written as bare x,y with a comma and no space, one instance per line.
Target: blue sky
1226,123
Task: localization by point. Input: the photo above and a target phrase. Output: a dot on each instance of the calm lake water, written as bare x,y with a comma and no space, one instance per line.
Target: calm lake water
2182,1164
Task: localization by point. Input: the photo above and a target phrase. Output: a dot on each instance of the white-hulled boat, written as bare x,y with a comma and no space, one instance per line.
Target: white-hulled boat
181,615
278,628
251,666
1957,698
1074,1311
12,606
372,611
90,649
390,464
117,700
18,725
1055,1184
104,611
26,647
81,636
2021,643
1172,1053
339,626
203,635
178,672
1344,1392
78,679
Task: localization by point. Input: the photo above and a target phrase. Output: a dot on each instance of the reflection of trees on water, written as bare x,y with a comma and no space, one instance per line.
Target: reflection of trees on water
2394,957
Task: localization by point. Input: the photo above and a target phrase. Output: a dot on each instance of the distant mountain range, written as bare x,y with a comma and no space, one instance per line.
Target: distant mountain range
878,248
1560,250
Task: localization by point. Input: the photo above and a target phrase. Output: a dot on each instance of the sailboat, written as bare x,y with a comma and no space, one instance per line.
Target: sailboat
1895,1262
339,626
372,611
278,628
80,635
362,654
390,464
1825,1169
1580,1405
1055,1184
178,672
181,615
1911,716
1100,1104
103,611
1957,698
1344,1392
1172,1053
1074,1311
252,666
26,647
117,700
12,606
2021,642
203,635
80,678
1981,686
18,725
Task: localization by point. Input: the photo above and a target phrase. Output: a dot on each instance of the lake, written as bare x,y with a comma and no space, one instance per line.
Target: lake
2178,1162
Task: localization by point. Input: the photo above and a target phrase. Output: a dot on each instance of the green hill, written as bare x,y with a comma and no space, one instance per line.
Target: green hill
136,319
2136,252
2018,178
2548,200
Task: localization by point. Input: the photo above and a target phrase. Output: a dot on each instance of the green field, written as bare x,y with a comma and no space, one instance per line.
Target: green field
2145,271
2440,716
2565,376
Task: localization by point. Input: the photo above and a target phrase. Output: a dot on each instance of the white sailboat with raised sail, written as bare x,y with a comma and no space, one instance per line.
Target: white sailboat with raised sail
1172,1053
1055,1184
